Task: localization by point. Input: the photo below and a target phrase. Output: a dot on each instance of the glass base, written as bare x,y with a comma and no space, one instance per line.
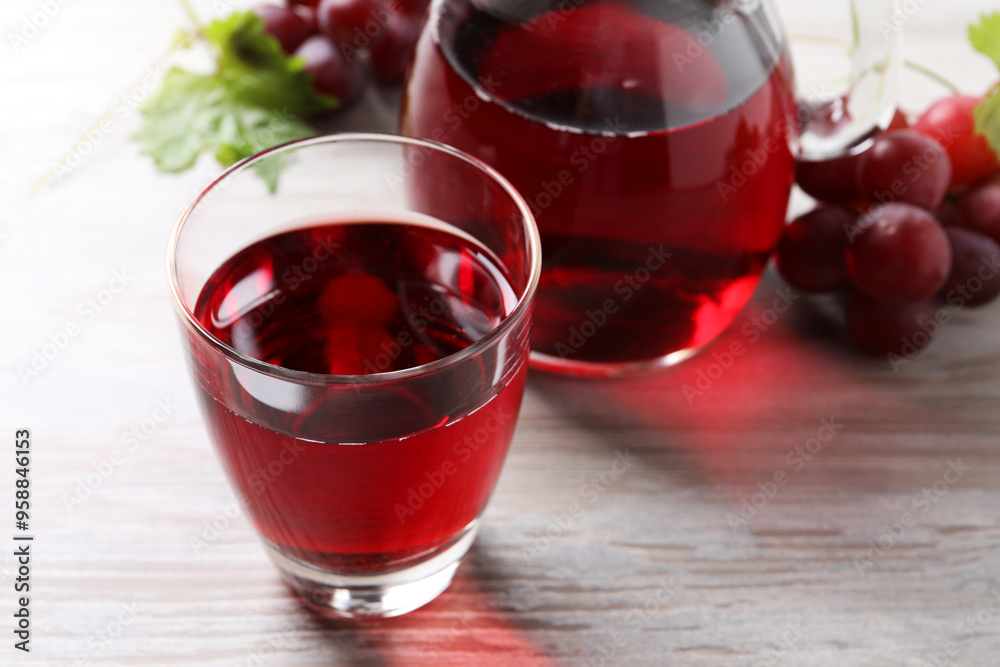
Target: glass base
574,368
373,595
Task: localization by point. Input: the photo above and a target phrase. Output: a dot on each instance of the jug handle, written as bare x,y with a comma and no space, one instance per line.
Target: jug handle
847,124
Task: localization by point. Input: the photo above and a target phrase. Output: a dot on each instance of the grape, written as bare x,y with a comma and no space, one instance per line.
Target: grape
951,123
310,4
836,180
332,73
284,25
980,208
308,16
810,254
391,58
891,328
905,166
974,279
901,254
830,180
950,215
359,24
899,121
414,8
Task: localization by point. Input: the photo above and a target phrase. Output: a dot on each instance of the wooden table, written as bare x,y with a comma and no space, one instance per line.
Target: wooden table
809,507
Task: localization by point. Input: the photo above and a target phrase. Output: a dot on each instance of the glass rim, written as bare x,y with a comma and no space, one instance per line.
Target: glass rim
519,311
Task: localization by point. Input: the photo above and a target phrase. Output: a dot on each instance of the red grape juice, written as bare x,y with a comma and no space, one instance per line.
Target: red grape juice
652,142
345,478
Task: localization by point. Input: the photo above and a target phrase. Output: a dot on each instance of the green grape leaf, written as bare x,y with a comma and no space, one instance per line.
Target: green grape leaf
985,36
987,115
248,104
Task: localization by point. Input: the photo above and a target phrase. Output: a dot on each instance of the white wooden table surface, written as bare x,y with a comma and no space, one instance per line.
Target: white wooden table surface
128,570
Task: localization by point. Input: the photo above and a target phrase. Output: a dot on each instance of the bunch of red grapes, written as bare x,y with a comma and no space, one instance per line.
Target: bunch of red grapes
344,41
909,229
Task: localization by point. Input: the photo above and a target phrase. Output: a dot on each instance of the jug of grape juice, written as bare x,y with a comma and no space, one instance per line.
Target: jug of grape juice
655,142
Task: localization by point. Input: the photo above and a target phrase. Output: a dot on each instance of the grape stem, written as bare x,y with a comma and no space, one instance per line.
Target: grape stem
183,40
192,14
916,67
933,76
44,179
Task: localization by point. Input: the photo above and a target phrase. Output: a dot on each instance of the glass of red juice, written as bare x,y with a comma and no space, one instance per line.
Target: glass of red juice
358,341
655,142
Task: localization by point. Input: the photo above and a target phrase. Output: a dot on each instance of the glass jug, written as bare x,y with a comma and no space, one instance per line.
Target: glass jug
655,142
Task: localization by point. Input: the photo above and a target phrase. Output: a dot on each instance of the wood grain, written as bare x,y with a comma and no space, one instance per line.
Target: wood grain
658,567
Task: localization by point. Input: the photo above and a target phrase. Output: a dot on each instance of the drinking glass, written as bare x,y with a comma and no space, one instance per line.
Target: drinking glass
366,489
654,140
